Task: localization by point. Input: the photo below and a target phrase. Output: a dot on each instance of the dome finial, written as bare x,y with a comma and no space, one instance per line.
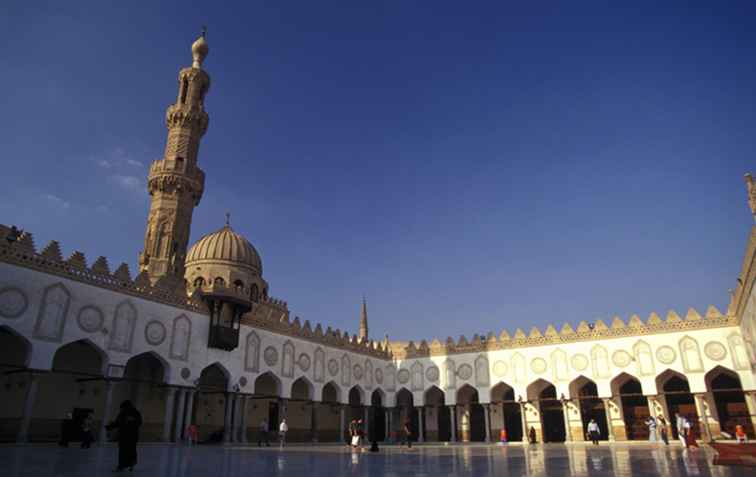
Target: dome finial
200,49
228,219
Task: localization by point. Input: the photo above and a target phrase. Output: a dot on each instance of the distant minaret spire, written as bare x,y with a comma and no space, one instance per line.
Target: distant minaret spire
363,321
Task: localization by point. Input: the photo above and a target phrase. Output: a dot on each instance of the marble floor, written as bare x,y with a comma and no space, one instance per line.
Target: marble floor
332,461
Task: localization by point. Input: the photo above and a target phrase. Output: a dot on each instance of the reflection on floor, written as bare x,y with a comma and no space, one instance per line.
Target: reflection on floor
333,461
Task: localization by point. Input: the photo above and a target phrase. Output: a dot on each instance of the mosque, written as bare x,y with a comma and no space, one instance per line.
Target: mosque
195,337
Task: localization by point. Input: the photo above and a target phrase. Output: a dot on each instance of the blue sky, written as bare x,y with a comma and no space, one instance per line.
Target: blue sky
469,166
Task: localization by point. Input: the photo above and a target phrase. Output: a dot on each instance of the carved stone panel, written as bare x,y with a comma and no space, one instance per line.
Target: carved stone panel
464,372
500,369
368,374
715,350
559,366
518,368
403,376
319,369
357,371
432,373
600,362
304,362
666,354
181,337
346,371
270,355
482,372
287,363
691,355
379,375
738,351
52,313
621,358
252,353
579,362
417,376
90,319
154,333
333,367
124,323
644,359
450,374
538,365
13,302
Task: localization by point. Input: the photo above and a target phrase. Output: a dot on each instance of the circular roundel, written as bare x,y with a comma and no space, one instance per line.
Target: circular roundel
379,376
500,369
357,371
666,354
621,358
243,381
431,374
579,362
333,367
13,302
270,355
403,376
154,332
90,319
304,362
186,373
715,350
464,371
538,365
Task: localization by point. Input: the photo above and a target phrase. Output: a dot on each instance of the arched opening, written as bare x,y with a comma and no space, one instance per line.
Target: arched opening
300,411
584,394
505,413
254,293
15,352
405,414
210,403
142,384
239,286
377,426
356,411
184,90
634,406
329,413
219,282
551,410
199,282
266,406
679,400
437,419
470,415
729,401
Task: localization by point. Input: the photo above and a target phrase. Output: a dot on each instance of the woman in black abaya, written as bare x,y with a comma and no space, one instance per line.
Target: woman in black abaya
127,423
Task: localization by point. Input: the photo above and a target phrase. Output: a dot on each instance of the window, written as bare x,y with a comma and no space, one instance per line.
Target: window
219,282
184,90
199,282
239,285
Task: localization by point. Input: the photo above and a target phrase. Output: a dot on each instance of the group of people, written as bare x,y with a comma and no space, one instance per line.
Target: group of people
263,433
85,430
657,428
356,433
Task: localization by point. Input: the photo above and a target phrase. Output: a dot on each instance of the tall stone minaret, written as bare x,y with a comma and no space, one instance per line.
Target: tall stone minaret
175,182
363,321
751,185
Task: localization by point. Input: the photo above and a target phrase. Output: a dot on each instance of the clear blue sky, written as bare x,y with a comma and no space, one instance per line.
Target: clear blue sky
469,166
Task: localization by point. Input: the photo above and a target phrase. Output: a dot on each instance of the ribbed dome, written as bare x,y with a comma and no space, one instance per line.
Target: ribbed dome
225,246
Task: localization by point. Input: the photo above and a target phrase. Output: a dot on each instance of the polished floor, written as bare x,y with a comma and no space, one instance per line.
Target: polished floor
333,461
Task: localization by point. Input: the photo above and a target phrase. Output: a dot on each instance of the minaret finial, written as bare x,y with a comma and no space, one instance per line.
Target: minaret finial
200,50
204,31
228,219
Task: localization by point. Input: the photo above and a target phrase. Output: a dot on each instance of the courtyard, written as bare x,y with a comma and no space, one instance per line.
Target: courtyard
167,460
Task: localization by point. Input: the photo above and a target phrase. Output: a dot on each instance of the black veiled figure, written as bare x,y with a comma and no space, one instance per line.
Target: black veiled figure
128,422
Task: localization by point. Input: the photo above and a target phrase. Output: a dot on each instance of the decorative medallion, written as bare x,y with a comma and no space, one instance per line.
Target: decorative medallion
304,362
90,319
579,362
154,332
621,358
379,376
500,369
186,373
464,371
243,381
333,367
270,355
431,374
715,350
538,365
666,354
357,371
13,302
403,376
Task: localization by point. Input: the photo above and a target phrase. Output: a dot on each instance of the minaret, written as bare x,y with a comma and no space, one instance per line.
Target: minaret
175,182
363,321
751,186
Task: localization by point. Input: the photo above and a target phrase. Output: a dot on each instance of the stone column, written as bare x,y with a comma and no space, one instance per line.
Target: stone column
567,425
29,399
189,411
314,421
487,416
170,393
750,399
524,419
180,408
420,436
702,410
367,423
387,436
342,419
228,417
243,438
453,414
608,414
106,411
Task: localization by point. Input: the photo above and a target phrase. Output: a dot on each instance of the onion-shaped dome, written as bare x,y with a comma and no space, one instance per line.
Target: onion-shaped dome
200,49
224,247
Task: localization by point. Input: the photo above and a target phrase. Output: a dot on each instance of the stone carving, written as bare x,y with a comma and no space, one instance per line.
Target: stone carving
600,361
450,374
154,333
287,363
417,376
304,362
90,319
644,359
346,370
390,377
538,365
53,313
579,362
368,373
403,376
124,323
500,369
559,365
181,338
270,355
357,372
666,354
379,375
519,372
252,353
432,373
186,373
482,371
13,302
242,381
319,369
464,371
715,350
333,367
738,351
621,358
691,355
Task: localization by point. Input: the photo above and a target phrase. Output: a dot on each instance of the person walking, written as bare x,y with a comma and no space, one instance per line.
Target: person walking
262,434
651,423
532,435
680,426
192,434
690,436
407,434
282,430
663,430
87,433
353,433
360,434
593,431
128,422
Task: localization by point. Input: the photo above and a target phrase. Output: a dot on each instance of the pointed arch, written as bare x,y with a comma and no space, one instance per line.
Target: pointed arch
467,395
404,398
670,380
53,312
181,338
302,389
434,396
148,366
718,371
287,360
502,392
417,380
214,377
378,398
331,393
644,358
482,373
15,349
356,395
83,356
541,389
582,386
600,362
267,384
252,352
618,383
690,354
